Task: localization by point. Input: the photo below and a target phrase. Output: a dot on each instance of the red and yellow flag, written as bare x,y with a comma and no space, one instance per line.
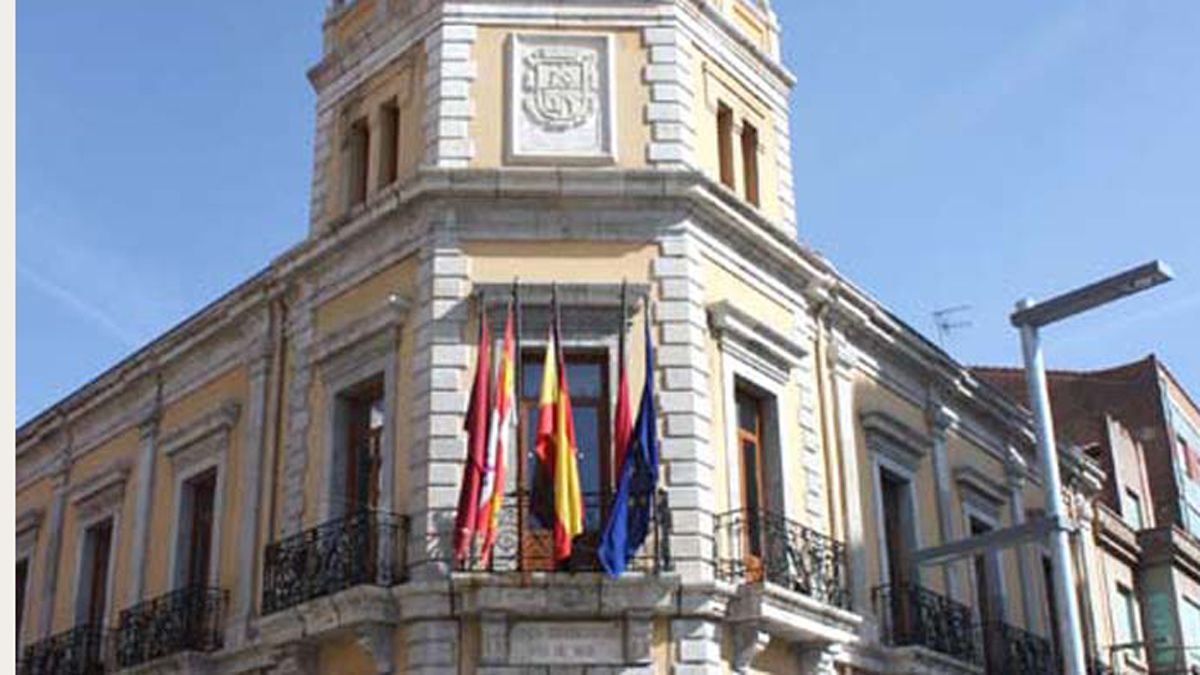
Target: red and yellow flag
557,451
503,425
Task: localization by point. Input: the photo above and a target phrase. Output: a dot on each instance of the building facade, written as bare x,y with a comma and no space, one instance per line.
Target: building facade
269,487
1143,430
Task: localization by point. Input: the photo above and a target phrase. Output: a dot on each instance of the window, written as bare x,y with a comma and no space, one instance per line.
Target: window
725,145
93,591
1190,457
1125,617
1134,516
1051,603
199,494
1191,629
22,580
587,377
389,143
362,415
750,161
358,148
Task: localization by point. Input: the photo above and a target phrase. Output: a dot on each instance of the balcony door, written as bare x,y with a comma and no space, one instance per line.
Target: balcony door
750,432
587,378
362,413
987,595
199,513
93,596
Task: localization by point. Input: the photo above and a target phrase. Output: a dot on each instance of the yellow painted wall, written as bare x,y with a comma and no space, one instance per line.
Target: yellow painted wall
368,297
403,81
491,99
344,657
714,84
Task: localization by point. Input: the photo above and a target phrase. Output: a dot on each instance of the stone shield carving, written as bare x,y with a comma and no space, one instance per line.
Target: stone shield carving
560,90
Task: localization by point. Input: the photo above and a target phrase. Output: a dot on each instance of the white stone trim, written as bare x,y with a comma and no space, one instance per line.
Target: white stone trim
449,108
668,75
881,462
93,514
522,148
181,510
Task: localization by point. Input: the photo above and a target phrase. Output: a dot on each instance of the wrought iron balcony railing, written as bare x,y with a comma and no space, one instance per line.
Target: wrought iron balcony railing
524,542
1011,649
189,619
910,615
763,546
83,650
365,547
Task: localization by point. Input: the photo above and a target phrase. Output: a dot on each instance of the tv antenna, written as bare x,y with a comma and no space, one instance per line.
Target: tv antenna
949,319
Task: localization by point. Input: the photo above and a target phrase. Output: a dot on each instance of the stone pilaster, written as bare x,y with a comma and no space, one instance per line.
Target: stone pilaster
669,112
250,494
685,405
301,334
843,361
450,70
50,565
1026,554
143,491
442,359
318,205
939,424
783,170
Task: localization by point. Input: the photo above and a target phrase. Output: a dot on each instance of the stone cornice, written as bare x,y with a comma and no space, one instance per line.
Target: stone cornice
220,420
1115,536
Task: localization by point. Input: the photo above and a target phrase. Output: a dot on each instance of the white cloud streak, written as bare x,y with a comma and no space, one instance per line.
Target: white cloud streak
78,305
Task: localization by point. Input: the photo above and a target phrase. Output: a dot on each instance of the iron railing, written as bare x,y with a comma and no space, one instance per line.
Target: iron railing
525,543
1011,649
365,547
910,615
188,619
763,546
83,650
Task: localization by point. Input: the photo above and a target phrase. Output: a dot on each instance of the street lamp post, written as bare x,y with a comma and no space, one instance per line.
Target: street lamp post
1029,318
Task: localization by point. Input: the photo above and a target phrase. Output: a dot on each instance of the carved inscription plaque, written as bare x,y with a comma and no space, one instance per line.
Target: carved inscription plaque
570,642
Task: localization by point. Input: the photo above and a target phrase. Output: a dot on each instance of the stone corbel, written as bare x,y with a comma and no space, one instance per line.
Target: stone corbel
493,642
748,643
639,634
296,658
817,658
376,639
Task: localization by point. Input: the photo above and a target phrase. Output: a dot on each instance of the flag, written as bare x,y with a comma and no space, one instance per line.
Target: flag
503,424
477,442
556,449
629,518
623,419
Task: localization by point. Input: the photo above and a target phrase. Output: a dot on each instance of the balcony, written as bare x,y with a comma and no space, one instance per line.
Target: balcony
363,548
525,544
1014,650
911,616
83,650
757,546
186,620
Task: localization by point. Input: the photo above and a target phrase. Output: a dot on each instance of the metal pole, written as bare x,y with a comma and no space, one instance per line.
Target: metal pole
1060,552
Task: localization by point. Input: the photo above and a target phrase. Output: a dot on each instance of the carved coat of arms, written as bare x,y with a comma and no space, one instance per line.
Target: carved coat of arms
560,87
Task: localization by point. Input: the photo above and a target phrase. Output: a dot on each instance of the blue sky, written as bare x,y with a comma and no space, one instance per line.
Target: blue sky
946,153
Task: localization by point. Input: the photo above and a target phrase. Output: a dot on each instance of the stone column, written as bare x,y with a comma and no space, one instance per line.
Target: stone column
669,112
940,420
143,498
250,492
450,70
844,362
301,333
1025,553
50,565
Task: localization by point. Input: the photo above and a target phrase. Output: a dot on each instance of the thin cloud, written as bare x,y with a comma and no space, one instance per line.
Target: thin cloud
78,305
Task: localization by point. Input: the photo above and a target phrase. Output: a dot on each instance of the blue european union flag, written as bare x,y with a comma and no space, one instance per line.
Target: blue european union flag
630,516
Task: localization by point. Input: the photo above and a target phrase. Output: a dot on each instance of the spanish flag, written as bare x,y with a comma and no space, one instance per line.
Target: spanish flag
555,447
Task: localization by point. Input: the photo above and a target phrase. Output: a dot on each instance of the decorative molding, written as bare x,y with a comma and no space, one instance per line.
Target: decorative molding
891,437
980,488
28,525
219,421
102,493
735,327
560,99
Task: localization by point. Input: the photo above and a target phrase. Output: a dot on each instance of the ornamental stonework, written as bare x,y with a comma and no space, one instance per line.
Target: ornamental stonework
560,99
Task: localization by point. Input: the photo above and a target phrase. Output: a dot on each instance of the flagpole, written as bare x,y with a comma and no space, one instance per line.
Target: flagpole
518,370
616,469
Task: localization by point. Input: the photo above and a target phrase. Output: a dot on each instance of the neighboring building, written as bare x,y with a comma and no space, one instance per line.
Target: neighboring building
1143,430
269,486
